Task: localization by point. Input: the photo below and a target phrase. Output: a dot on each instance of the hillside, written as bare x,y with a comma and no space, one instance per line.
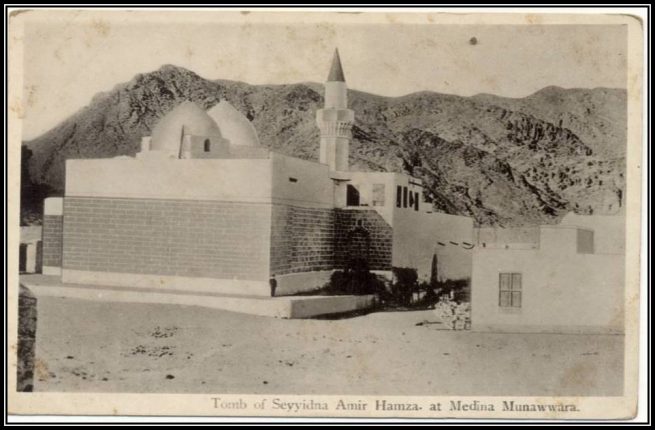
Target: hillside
502,161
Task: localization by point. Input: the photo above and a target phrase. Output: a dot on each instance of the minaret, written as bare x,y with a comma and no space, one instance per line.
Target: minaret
335,120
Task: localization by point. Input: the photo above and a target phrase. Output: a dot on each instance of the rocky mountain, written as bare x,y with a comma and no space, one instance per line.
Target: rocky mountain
502,161
597,116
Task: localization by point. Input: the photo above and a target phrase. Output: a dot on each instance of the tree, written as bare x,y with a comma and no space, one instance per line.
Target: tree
404,285
32,193
434,271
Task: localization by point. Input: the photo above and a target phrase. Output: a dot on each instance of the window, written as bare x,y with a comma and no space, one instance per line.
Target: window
378,195
22,258
399,196
405,197
411,199
585,241
416,199
352,196
510,290
208,145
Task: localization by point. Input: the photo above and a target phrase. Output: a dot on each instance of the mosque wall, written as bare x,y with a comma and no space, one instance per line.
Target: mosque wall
363,233
419,235
53,223
309,243
165,178
52,239
204,239
302,239
300,182
316,239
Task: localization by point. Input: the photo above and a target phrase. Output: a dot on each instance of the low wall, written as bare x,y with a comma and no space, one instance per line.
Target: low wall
279,307
298,282
168,283
305,307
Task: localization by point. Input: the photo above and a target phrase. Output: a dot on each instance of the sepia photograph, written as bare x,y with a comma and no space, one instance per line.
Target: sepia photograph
324,214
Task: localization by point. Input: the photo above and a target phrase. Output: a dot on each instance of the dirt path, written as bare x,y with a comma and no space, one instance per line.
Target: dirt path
96,347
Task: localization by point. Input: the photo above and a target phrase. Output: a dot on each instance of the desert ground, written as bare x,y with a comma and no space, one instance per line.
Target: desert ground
87,346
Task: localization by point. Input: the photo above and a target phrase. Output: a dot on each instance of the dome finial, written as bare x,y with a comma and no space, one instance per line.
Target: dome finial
336,72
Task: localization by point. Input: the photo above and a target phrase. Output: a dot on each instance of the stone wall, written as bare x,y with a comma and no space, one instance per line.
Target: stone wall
302,239
356,230
215,239
52,240
187,238
314,239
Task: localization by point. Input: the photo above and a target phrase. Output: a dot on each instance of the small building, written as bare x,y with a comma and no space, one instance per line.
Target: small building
551,278
31,250
204,206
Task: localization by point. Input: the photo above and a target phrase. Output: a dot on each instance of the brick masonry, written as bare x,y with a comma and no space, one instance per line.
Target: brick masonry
312,239
302,239
52,240
362,233
167,237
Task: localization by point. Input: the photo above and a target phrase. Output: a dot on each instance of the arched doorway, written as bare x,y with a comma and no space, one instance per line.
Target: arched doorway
358,248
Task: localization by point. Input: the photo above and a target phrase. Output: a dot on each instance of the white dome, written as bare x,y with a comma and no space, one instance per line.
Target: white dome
234,126
186,118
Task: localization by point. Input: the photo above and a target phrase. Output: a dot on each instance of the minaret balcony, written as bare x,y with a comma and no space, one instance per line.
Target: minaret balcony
341,129
331,115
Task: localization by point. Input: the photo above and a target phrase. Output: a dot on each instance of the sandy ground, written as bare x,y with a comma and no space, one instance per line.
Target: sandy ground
117,347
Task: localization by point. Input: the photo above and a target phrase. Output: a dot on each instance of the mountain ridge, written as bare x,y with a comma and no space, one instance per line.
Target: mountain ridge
502,161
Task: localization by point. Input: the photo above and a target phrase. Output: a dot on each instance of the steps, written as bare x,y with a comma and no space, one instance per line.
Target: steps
278,307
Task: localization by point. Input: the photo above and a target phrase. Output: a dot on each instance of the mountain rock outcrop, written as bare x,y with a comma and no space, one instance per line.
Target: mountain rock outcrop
505,162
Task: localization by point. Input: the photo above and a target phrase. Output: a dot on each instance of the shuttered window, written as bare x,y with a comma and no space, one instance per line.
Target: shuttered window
510,290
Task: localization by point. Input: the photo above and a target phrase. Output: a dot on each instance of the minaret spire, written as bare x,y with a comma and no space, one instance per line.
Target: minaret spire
336,71
335,119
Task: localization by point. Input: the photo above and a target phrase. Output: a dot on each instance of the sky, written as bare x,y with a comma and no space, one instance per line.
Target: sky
68,57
